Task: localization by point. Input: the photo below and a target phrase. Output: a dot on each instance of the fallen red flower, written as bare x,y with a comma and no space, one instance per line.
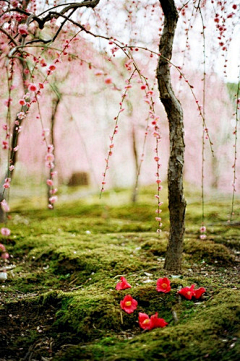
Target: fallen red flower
147,323
144,321
187,292
198,293
158,322
128,304
163,285
123,284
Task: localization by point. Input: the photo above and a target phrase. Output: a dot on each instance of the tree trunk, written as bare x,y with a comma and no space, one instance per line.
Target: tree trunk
135,156
14,143
55,105
176,201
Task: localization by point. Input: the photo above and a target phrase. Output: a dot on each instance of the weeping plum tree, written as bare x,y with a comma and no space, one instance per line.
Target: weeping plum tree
40,36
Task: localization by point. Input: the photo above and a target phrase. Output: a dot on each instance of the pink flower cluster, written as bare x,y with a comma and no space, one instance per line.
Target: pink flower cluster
129,304
3,253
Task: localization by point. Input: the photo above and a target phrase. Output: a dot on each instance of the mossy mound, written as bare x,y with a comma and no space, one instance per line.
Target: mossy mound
207,251
194,249
211,332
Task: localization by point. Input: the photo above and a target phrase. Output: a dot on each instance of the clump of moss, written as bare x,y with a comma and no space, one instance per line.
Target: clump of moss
157,247
211,332
207,250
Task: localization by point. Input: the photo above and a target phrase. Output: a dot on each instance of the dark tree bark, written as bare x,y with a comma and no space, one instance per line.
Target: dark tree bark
176,201
135,156
55,105
14,143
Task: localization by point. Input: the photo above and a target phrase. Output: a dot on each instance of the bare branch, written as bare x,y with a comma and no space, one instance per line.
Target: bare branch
9,36
55,15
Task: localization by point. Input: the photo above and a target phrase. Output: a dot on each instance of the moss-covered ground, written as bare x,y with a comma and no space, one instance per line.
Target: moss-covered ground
60,303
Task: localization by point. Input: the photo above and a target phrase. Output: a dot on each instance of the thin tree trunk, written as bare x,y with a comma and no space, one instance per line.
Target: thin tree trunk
176,201
52,138
14,144
135,155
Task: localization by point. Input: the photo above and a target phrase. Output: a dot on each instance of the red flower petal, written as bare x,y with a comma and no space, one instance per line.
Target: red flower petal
187,292
144,321
198,293
128,304
123,285
158,322
163,285
147,323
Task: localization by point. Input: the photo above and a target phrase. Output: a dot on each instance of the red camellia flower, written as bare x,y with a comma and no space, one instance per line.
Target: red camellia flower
123,285
128,304
163,285
144,321
187,292
158,322
147,323
198,293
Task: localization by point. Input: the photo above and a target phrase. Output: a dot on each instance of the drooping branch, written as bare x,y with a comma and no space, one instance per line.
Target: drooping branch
54,14
176,201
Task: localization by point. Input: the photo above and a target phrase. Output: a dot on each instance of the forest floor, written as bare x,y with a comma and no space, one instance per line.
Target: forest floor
59,301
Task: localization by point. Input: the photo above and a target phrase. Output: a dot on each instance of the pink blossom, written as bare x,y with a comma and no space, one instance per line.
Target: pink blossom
53,191
22,102
45,132
14,3
49,157
6,185
21,115
7,102
5,206
54,173
4,144
2,248
50,148
32,87
108,80
23,29
87,26
53,199
98,72
49,182
203,229
5,255
52,67
5,231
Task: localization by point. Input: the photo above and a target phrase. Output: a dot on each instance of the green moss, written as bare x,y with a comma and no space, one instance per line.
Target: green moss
209,333
80,250
207,250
